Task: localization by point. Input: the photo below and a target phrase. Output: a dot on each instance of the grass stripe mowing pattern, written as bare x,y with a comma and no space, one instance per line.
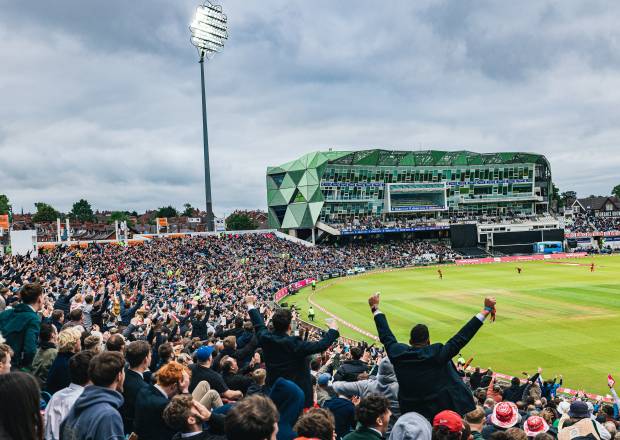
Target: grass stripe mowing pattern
557,316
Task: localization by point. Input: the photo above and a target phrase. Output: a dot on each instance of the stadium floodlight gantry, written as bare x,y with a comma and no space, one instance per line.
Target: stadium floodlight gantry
208,34
340,186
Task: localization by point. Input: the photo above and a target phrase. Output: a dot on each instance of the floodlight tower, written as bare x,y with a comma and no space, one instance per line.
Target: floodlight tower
209,32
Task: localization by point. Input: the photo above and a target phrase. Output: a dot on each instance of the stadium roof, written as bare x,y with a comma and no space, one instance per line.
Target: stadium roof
378,157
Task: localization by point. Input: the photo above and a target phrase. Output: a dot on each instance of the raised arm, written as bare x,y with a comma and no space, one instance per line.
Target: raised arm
387,338
350,389
255,317
307,347
462,338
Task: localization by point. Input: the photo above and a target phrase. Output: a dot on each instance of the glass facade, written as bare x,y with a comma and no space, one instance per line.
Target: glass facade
336,187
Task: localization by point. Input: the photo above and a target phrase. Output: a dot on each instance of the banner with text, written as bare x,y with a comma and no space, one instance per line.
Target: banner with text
291,287
592,234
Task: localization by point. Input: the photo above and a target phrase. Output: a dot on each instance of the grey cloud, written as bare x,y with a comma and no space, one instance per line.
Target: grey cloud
104,102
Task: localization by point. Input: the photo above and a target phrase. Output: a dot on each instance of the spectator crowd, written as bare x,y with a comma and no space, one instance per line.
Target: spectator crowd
582,222
179,338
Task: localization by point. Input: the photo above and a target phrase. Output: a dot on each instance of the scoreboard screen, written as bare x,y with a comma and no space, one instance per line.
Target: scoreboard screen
412,197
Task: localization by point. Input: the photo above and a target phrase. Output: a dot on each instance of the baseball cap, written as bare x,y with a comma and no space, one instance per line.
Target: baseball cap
579,410
324,379
450,420
204,353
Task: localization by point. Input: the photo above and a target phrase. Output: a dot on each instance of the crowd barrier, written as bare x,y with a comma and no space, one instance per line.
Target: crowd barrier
521,258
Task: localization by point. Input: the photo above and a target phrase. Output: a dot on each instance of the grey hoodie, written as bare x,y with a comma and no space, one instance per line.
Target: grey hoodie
384,384
94,416
411,426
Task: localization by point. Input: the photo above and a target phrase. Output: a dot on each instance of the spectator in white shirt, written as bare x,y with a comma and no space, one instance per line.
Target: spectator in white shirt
61,402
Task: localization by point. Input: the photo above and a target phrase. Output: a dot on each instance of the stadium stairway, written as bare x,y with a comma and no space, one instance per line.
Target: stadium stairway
326,228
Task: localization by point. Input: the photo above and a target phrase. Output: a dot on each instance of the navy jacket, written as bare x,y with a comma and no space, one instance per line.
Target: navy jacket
289,399
64,301
58,376
149,422
134,383
427,378
288,356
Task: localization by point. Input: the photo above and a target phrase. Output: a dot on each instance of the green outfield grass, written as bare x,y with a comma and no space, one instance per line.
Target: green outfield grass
556,315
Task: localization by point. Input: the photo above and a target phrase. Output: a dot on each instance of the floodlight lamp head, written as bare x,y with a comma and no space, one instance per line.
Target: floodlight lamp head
209,29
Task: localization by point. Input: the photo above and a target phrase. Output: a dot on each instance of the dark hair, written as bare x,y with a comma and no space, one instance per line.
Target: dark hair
115,342
419,334
251,419
46,332
20,415
371,407
515,381
88,299
165,351
75,314
281,320
79,365
177,411
466,432
357,353
515,433
315,364
316,423
30,293
543,436
238,322
57,315
136,352
443,433
104,368
497,435
226,364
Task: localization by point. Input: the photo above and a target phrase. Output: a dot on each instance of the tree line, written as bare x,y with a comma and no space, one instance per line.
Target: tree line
82,211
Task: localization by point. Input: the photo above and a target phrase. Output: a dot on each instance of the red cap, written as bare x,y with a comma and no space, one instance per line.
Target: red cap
450,420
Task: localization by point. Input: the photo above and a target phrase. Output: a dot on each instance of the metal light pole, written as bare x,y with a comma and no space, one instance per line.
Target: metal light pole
209,31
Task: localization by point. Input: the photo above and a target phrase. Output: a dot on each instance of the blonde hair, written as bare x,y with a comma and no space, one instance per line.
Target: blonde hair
68,339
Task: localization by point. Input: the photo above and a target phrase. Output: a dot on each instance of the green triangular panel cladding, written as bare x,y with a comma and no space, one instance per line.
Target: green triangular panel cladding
289,220
306,221
296,175
308,191
275,197
312,177
288,182
287,194
298,210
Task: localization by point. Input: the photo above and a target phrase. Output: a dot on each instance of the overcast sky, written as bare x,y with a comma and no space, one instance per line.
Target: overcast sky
101,100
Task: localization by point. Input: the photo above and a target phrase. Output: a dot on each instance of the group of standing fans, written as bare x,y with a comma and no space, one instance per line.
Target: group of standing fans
589,223
179,339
